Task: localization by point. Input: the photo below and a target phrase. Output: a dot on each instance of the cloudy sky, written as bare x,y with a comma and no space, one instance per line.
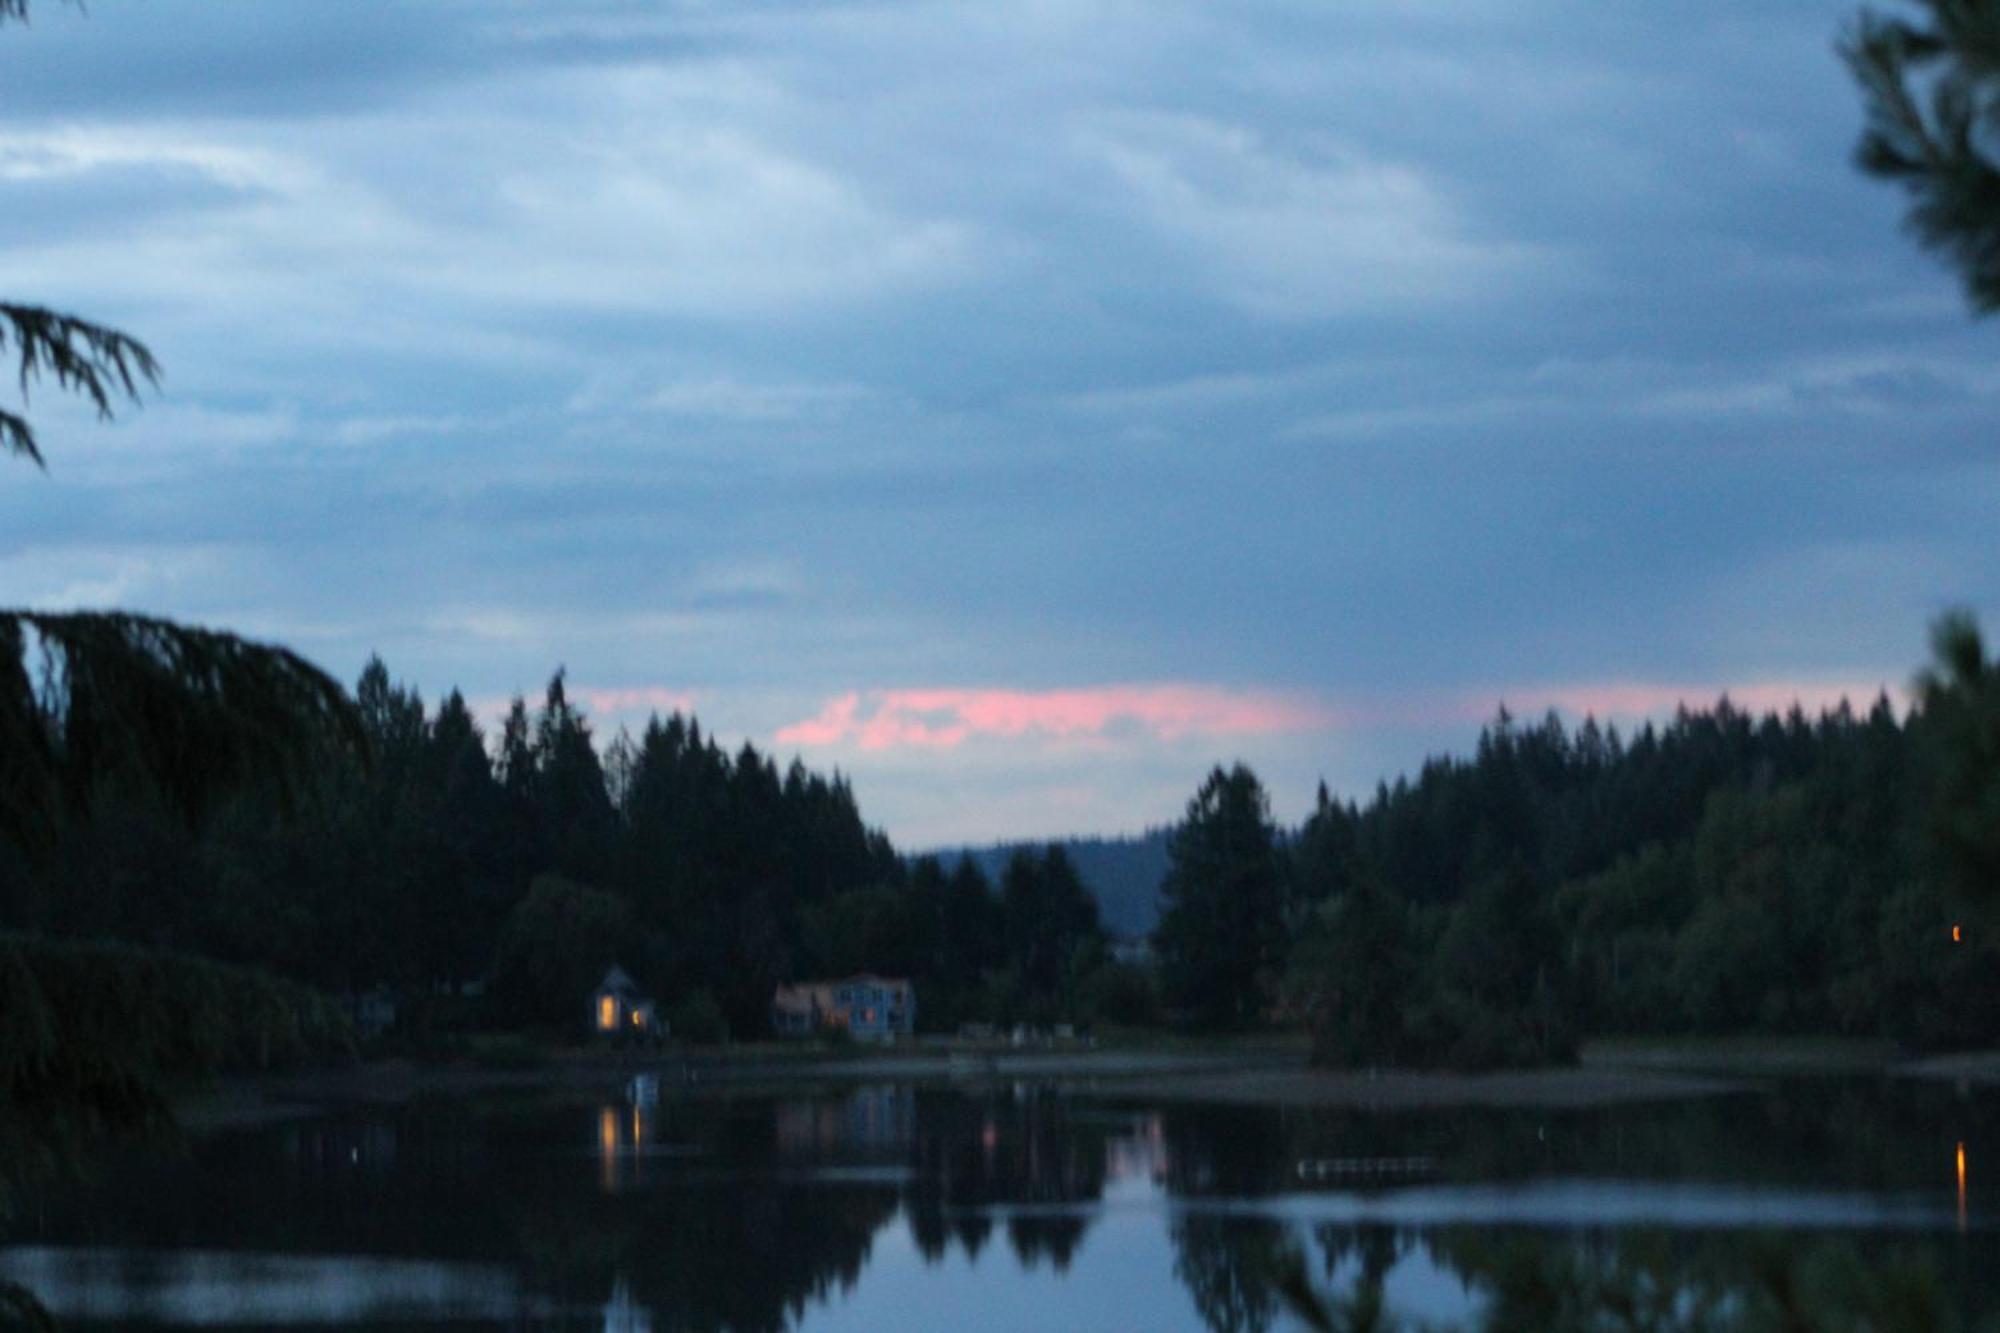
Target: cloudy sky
1020,406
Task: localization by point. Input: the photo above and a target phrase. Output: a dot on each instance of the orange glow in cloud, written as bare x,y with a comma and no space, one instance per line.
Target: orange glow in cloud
945,718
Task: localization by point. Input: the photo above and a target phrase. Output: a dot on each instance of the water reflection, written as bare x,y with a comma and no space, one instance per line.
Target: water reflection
1961,1185
203,1288
856,1207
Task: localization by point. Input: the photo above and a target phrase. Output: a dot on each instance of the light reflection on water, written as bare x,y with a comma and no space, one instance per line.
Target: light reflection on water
890,1206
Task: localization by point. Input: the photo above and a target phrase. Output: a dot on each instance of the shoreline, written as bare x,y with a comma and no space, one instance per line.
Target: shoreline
244,1101
1255,1073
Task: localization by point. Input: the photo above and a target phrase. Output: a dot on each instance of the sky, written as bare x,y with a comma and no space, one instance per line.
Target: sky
1021,407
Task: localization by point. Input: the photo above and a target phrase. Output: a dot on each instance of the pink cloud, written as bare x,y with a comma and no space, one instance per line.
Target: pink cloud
833,722
945,718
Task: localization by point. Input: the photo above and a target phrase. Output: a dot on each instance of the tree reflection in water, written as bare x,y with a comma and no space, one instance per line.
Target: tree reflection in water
1243,1273
1017,1154
1249,1271
751,1212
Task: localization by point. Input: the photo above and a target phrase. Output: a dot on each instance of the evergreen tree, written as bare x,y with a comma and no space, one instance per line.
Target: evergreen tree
1221,937
1960,693
1501,989
1051,927
572,804
471,884
1323,861
974,933
1354,979
1931,92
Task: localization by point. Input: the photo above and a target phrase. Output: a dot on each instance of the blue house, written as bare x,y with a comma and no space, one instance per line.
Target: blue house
867,1007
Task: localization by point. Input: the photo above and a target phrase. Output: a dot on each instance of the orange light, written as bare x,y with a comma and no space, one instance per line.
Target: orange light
607,1146
1956,936
1961,1186
607,1013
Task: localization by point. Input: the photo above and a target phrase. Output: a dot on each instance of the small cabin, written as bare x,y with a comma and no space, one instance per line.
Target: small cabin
618,1008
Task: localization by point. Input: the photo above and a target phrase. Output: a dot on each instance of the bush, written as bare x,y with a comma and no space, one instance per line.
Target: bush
554,948
699,1019
103,1025
1122,993
509,1051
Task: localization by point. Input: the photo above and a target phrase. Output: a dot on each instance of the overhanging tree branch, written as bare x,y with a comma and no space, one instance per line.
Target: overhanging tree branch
1932,100
90,700
99,363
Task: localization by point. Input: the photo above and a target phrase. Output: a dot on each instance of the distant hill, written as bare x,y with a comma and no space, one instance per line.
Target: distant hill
1123,874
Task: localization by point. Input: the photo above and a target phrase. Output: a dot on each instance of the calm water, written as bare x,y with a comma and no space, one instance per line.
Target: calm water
890,1207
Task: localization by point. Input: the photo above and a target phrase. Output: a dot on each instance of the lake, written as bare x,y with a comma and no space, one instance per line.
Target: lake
1017,1206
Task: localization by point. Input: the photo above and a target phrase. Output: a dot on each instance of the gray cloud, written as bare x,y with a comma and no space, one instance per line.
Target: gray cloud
779,352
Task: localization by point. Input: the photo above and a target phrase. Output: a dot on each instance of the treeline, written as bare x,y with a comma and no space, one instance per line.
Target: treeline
1723,873
493,881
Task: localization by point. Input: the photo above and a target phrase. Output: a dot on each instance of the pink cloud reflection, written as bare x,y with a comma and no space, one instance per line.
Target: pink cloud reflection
945,718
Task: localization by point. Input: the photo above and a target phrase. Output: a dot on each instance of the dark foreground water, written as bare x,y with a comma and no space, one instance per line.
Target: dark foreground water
889,1207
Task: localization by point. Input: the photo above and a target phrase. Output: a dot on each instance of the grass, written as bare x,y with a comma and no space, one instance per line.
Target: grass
1741,1055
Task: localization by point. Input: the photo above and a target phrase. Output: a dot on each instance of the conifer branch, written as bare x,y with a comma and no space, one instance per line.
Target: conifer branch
1932,101
100,363
96,700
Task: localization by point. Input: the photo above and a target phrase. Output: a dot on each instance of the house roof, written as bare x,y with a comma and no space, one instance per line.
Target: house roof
618,982
799,994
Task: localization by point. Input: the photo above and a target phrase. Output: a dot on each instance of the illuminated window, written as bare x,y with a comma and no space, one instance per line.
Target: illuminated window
607,1012
638,1018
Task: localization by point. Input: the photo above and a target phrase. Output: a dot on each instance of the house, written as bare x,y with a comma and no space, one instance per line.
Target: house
867,1007
619,1008
372,1012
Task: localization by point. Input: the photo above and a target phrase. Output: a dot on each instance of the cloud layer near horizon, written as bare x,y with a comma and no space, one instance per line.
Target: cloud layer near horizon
944,719
893,382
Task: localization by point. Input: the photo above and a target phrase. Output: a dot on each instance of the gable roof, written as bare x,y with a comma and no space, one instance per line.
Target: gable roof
618,982
875,979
